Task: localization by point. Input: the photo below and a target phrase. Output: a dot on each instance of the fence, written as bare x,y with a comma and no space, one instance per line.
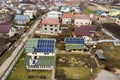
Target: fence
12,65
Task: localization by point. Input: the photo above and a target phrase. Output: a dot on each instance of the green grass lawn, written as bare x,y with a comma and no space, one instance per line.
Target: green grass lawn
87,11
77,73
20,73
75,67
112,55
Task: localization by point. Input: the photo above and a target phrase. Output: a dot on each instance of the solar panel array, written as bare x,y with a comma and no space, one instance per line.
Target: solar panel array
46,46
74,40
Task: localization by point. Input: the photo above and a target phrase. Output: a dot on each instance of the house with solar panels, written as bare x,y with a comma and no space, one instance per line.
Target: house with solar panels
40,54
75,44
21,19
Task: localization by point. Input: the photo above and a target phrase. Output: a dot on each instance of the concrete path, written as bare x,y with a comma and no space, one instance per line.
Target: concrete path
10,59
106,75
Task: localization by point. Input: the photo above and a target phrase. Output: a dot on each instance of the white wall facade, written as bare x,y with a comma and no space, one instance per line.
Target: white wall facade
66,20
79,22
118,21
50,29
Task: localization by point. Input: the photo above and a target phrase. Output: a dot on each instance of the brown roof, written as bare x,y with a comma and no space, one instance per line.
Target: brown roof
82,16
84,30
50,21
68,15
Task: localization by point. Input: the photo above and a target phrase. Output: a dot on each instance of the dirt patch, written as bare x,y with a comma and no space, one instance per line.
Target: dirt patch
113,28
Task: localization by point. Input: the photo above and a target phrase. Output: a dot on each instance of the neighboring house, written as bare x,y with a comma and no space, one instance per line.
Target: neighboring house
65,9
7,30
74,44
7,18
114,12
49,26
86,32
18,11
100,15
3,10
118,20
40,54
21,19
67,18
30,13
103,1
82,19
53,14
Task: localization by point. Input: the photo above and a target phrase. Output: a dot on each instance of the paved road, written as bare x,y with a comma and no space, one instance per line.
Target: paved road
10,59
100,7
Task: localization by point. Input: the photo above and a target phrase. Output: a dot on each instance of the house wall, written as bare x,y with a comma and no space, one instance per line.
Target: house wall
34,67
66,21
50,29
87,38
118,21
12,32
40,54
30,14
52,15
114,13
82,22
22,21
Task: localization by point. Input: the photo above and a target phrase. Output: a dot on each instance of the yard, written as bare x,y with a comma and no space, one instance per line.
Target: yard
75,66
113,28
20,73
112,55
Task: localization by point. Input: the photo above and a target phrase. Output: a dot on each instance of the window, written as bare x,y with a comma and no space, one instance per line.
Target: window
51,28
55,29
45,25
76,22
55,25
45,28
51,25
81,23
46,53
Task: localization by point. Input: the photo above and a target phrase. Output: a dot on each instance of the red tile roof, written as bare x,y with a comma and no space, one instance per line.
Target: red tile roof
84,30
68,15
82,16
48,21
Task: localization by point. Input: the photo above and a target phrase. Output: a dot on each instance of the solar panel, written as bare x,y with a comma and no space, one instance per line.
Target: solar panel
46,46
74,40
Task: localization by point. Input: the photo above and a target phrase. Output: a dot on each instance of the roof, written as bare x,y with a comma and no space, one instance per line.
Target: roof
21,17
74,40
54,12
82,16
98,12
99,53
114,10
74,47
5,28
41,61
50,21
84,30
41,45
74,43
68,15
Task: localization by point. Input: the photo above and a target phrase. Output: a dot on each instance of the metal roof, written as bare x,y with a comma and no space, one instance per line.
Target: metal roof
74,40
41,61
43,45
21,17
